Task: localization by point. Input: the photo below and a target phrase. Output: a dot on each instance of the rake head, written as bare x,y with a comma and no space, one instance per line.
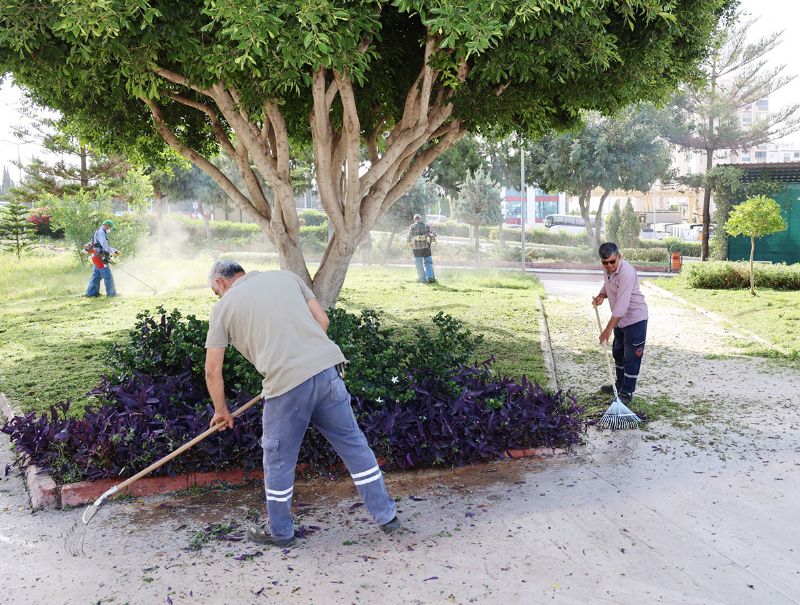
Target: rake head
73,539
619,416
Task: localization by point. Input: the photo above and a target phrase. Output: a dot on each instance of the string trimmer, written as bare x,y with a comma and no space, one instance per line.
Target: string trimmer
73,541
618,415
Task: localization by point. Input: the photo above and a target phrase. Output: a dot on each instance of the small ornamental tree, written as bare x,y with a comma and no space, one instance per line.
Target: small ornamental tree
755,217
613,223
16,229
478,203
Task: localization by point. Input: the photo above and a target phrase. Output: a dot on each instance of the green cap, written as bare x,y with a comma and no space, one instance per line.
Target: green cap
110,223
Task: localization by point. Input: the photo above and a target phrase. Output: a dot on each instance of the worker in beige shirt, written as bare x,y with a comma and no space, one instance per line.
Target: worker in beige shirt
274,320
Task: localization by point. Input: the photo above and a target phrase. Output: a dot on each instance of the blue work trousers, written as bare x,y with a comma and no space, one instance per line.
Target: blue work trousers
93,289
424,268
324,402
628,349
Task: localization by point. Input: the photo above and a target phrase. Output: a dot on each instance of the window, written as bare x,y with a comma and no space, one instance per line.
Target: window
747,119
747,107
762,105
797,154
761,156
787,157
745,157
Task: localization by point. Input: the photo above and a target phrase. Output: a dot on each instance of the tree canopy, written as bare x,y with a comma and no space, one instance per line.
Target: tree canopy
624,152
704,115
397,81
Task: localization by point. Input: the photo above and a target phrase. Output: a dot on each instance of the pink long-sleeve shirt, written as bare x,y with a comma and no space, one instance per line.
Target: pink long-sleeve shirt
624,296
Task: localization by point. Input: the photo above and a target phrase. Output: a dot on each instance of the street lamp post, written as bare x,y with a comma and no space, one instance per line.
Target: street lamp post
19,157
524,196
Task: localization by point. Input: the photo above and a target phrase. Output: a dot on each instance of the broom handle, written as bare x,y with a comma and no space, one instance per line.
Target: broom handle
605,352
185,446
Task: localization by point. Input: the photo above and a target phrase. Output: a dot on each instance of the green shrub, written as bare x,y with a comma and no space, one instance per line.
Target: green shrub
312,218
220,230
734,276
540,235
645,255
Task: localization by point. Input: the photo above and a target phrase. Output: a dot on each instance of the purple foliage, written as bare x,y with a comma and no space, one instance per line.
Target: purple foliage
470,415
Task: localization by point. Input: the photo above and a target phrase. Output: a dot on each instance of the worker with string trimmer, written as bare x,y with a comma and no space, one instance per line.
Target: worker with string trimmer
628,321
100,253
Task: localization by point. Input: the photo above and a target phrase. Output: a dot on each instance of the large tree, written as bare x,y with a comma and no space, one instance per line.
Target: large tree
394,81
704,116
623,152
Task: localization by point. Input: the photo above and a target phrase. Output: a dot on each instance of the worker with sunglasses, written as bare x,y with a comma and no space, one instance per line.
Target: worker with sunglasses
628,321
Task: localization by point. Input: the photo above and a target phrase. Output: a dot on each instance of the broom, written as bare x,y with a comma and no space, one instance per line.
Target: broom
73,541
618,415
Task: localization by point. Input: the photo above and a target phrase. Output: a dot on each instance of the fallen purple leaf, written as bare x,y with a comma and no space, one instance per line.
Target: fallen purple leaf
431,578
469,513
356,505
169,601
258,594
416,498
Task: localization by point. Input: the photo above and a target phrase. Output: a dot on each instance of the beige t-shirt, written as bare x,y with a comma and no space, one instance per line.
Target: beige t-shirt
265,315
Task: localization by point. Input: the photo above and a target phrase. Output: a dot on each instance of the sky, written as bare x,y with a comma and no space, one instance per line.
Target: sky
773,15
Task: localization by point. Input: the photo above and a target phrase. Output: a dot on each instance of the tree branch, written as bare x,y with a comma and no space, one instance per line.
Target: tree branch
352,137
219,130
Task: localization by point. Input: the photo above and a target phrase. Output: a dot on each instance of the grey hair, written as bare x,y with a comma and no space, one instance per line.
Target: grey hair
608,249
224,269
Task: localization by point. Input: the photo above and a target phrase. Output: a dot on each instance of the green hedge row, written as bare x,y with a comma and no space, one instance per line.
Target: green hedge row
733,276
312,218
196,228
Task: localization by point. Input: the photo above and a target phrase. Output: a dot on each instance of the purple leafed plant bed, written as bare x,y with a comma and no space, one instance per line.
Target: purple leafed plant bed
429,416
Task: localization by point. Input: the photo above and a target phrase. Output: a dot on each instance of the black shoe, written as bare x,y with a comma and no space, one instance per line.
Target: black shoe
432,280
625,398
391,526
262,536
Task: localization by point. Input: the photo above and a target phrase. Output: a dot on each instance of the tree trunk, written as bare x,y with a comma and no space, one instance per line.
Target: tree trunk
329,278
584,200
477,244
598,220
707,205
501,235
391,241
84,168
158,195
752,269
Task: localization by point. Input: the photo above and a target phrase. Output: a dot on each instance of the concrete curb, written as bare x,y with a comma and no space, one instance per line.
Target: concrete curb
42,490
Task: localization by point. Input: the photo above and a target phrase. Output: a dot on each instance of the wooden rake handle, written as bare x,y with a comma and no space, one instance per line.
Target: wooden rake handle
185,446
605,352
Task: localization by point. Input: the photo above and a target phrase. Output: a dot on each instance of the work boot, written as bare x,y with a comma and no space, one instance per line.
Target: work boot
391,526
625,398
262,536
432,280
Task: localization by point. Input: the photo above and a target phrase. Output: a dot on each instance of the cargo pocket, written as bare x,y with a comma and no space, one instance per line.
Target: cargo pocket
272,459
339,390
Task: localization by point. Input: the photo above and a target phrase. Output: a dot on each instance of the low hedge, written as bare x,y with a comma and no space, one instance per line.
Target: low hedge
416,398
220,230
734,276
312,218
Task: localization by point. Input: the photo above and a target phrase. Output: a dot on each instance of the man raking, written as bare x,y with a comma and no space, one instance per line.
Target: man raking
275,321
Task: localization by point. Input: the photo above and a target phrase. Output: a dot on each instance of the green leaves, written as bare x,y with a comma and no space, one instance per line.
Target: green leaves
756,217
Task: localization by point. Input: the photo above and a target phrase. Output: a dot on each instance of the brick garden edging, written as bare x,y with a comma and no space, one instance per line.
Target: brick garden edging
45,493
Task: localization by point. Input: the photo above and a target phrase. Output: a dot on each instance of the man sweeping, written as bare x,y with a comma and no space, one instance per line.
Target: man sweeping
274,320
628,321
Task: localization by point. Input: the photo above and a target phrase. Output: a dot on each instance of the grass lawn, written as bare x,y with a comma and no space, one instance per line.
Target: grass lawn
53,341
773,315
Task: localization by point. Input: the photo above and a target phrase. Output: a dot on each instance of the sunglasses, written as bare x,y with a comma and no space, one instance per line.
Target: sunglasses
609,261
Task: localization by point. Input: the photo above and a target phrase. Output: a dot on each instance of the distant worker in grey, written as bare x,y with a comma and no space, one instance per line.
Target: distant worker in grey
420,238
274,320
628,321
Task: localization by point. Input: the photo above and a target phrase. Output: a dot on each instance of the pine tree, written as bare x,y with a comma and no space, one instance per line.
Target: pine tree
630,227
613,223
7,183
16,230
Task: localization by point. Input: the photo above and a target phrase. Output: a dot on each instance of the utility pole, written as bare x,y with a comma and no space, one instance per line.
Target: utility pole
524,195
